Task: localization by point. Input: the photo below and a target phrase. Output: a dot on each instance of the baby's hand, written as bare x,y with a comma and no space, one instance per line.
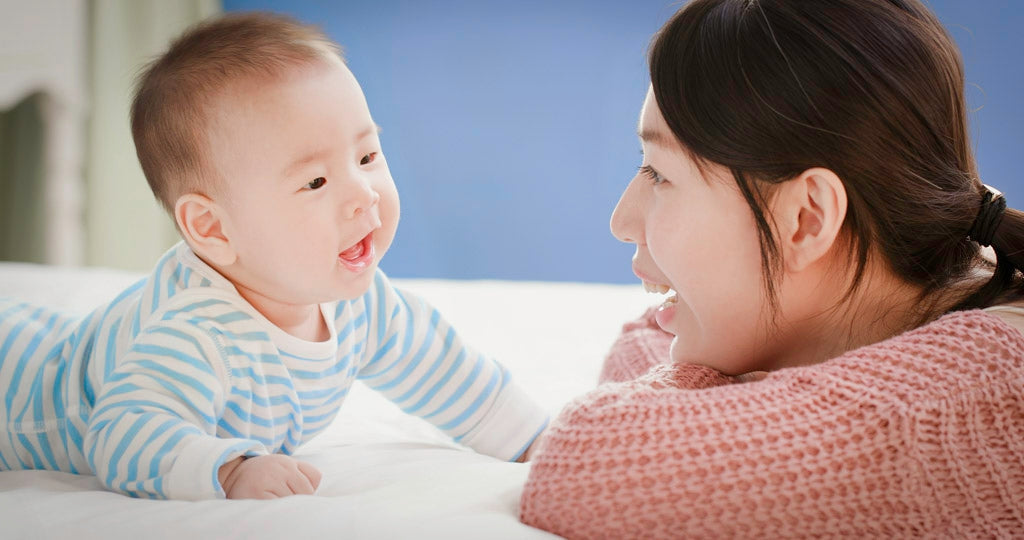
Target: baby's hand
532,448
268,477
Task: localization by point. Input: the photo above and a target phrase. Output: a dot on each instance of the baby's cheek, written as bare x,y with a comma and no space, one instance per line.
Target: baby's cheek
391,206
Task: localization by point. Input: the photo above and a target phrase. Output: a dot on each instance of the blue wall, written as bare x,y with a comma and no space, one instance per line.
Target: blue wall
510,126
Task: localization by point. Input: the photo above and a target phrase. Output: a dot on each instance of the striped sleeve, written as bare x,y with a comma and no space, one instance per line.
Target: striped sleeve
416,359
152,432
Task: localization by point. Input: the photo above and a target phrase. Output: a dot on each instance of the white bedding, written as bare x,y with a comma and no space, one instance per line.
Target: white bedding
386,475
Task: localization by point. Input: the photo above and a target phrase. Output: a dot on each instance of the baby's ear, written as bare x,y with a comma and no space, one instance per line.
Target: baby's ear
200,222
810,210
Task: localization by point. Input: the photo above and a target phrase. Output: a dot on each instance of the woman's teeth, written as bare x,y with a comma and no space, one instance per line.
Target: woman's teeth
656,287
662,289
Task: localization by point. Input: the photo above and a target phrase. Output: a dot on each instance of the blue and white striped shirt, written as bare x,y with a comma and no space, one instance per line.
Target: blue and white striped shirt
179,374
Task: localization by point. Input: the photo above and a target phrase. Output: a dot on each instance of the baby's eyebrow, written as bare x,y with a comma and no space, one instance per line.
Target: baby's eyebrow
294,166
372,130
320,153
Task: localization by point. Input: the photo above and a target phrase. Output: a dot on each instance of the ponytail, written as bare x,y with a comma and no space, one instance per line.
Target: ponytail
1003,229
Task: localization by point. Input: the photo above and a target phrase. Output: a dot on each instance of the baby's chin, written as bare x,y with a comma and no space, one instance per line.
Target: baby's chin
352,288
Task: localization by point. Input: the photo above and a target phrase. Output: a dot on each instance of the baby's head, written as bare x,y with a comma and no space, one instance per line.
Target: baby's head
256,138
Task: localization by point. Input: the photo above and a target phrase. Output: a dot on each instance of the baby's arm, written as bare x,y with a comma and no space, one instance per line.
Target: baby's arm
152,432
416,359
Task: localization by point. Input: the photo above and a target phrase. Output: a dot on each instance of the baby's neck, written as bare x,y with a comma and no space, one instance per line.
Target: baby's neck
302,321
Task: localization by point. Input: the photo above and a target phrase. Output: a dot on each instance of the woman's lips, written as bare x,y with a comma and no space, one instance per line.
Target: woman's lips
641,275
666,312
360,256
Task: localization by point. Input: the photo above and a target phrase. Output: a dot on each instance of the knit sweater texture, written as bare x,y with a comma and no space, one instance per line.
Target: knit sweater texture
918,435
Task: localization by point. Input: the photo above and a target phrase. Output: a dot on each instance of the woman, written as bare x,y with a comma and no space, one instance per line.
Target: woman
809,198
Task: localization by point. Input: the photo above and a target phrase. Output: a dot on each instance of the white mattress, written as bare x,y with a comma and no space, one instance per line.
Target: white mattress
386,474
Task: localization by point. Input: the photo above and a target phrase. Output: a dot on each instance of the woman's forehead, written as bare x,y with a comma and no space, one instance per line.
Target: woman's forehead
652,128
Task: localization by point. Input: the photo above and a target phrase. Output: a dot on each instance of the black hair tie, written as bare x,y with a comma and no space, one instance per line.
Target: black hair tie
990,214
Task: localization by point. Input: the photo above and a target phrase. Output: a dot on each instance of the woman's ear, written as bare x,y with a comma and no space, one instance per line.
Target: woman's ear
201,223
810,210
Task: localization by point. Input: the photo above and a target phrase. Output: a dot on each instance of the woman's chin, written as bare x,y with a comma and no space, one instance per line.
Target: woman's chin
679,354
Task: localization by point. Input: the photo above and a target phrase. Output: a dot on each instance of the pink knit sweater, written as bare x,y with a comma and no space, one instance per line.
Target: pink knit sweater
920,435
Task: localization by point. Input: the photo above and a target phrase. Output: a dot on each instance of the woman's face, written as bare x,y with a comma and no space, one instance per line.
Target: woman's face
695,235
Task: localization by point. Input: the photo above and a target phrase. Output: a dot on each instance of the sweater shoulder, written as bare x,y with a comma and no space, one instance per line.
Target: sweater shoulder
844,445
956,353
960,352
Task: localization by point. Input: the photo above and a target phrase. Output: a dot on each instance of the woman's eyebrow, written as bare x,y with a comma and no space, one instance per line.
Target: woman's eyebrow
653,137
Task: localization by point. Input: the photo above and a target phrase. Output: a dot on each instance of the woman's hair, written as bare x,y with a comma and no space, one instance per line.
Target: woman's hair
870,89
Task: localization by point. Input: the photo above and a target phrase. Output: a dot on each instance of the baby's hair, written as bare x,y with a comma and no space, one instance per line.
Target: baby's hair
173,93
870,89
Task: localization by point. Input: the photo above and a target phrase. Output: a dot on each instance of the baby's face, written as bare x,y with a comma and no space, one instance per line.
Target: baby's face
309,203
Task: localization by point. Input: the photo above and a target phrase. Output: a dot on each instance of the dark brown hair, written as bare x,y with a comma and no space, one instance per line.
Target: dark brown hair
174,92
870,89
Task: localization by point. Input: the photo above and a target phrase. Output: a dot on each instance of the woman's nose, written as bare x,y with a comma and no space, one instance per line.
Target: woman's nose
625,223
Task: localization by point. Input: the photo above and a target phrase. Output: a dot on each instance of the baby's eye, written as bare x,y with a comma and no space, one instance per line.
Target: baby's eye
368,158
317,183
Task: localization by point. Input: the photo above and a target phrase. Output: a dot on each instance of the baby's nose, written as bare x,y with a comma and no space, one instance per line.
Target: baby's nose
361,200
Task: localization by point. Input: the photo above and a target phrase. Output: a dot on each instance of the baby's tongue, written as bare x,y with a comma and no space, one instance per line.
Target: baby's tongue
353,252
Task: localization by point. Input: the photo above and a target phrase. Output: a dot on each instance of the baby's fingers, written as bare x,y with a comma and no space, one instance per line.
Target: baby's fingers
311,473
300,485
270,494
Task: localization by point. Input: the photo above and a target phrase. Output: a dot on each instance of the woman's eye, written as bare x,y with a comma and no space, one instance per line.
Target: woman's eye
649,172
317,183
368,158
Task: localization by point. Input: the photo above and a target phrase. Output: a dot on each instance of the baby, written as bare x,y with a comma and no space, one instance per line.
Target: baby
201,380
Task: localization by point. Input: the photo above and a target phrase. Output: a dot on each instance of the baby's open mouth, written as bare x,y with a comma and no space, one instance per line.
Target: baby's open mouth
359,256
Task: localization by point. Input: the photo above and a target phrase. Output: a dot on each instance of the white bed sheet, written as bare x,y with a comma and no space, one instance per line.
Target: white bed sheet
386,474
